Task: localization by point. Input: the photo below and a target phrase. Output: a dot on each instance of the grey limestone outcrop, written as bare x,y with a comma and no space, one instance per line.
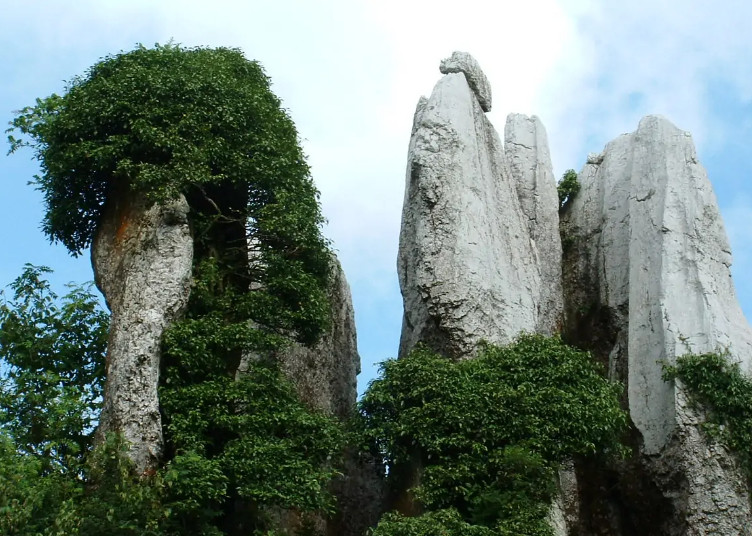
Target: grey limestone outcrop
645,278
468,266
649,257
142,257
325,375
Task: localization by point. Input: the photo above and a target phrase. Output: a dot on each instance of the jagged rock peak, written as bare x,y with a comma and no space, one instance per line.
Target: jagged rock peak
468,267
647,279
462,62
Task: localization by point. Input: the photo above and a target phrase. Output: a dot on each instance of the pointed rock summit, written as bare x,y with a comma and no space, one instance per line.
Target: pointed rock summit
469,268
462,62
647,276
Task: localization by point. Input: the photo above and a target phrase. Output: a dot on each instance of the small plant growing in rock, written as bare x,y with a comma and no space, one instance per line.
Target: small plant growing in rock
716,382
568,187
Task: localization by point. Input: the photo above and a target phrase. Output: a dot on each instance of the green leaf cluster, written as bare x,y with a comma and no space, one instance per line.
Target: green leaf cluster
568,187
163,121
248,439
269,448
52,357
485,435
202,122
717,383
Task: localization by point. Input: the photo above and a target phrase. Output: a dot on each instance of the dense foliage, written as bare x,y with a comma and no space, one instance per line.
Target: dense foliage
568,187
200,122
203,123
264,445
716,382
482,437
163,121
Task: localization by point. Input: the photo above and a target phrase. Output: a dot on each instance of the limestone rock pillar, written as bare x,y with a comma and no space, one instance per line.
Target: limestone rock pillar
467,266
142,257
648,279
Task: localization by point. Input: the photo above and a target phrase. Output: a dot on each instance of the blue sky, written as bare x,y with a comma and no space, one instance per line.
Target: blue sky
351,71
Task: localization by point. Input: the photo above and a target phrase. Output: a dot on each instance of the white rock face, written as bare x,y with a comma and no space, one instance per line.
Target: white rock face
462,62
526,147
652,251
467,267
142,257
480,254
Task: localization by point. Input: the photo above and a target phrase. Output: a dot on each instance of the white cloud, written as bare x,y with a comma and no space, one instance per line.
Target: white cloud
669,53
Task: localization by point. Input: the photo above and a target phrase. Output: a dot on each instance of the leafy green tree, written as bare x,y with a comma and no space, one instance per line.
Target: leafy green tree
203,123
483,437
52,354
276,452
568,187
51,374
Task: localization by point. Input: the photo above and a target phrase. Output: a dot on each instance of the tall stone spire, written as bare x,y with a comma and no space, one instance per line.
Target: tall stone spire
468,267
648,279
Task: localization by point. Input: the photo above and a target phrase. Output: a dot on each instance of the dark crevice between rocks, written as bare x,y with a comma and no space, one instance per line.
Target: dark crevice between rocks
616,498
622,498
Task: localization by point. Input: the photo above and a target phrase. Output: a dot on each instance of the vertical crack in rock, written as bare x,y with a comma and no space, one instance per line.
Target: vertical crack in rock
142,257
659,273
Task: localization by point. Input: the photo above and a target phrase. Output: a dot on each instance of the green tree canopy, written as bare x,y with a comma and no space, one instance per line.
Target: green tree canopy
202,122
479,440
162,121
51,368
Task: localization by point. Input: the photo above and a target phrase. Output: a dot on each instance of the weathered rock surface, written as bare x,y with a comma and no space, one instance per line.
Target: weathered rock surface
325,377
142,257
467,266
526,147
647,279
462,62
